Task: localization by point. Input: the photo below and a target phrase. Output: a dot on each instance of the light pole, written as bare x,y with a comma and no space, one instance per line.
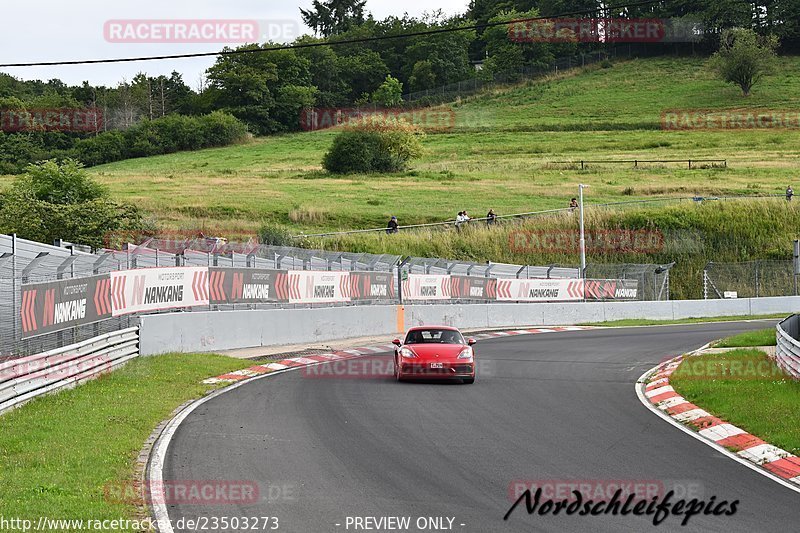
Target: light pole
583,239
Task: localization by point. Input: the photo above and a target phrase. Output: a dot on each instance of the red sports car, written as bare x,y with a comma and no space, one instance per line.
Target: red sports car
434,352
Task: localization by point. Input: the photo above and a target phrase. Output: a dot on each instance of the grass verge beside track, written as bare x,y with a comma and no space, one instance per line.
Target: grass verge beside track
693,320
762,337
744,387
59,452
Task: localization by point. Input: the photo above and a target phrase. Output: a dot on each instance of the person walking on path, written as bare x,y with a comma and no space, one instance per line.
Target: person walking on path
789,193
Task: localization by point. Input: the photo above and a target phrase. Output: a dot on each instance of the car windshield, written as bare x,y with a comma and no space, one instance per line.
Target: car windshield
441,336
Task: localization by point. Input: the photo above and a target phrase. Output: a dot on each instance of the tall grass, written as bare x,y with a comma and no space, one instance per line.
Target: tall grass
690,234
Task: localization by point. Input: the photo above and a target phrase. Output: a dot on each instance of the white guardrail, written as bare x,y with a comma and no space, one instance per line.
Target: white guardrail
27,377
787,351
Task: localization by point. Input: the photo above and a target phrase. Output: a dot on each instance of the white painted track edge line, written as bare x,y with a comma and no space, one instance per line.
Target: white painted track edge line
155,465
639,386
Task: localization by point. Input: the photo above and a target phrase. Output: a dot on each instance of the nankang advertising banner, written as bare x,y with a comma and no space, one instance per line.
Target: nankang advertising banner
611,289
427,287
565,290
154,289
473,288
371,286
58,305
247,285
308,286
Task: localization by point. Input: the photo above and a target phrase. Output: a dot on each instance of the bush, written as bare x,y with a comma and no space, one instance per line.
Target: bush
374,146
220,129
103,148
275,236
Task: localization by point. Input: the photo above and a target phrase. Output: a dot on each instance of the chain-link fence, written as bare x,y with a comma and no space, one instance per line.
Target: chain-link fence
22,262
749,279
653,279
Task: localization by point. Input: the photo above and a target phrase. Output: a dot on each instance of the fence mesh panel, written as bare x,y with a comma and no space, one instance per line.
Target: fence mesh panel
653,279
749,279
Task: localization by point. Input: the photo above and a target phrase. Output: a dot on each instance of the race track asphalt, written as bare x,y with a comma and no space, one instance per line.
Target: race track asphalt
547,407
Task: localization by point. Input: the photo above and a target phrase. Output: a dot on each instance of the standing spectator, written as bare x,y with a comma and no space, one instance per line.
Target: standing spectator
789,193
491,218
573,204
392,227
462,218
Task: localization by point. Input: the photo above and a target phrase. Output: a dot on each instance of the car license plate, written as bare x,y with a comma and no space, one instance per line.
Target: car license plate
436,365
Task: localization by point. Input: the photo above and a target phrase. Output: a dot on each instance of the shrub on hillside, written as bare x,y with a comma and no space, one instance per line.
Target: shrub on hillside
374,146
165,135
275,235
59,182
103,148
221,129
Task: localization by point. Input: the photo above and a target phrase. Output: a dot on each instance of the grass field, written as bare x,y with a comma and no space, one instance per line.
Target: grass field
59,452
500,154
762,400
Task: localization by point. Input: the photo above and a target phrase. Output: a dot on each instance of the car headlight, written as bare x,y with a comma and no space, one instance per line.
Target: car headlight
405,352
466,353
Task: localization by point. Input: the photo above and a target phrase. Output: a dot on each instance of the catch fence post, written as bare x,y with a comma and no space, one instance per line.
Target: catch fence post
705,283
756,279
796,264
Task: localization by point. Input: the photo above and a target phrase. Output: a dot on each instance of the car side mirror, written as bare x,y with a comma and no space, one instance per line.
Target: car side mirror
471,341
396,342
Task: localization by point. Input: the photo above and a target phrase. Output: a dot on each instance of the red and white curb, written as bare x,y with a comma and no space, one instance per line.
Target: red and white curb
655,391
307,360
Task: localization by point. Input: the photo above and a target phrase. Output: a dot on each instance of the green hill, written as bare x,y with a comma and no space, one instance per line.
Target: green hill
501,153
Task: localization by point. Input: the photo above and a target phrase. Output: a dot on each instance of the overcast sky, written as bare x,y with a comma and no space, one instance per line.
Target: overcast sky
51,30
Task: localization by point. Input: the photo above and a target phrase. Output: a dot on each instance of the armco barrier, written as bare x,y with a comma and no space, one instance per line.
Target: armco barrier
27,377
210,331
787,351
